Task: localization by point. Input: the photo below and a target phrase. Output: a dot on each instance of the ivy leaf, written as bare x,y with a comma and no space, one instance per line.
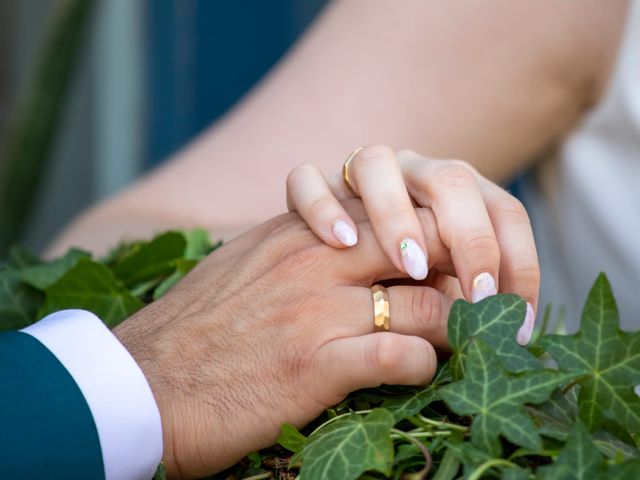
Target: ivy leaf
624,470
182,268
497,397
496,321
557,416
606,357
151,259
91,286
43,275
290,438
580,459
19,303
348,447
21,257
409,404
198,244
466,453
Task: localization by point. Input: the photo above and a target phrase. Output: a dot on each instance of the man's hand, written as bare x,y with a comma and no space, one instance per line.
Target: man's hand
274,327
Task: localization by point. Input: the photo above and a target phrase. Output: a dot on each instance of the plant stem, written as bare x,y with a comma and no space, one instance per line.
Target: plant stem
425,452
444,425
521,452
357,412
426,434
477,474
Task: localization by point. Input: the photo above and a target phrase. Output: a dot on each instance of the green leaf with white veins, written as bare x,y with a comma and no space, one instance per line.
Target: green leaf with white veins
496,321
497,398
580,459
606,357
348,447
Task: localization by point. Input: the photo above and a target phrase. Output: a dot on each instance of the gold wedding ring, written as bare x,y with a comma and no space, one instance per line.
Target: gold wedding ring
345,170
380,308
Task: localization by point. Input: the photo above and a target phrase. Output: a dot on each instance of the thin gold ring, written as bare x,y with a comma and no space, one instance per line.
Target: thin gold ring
345,169
381,320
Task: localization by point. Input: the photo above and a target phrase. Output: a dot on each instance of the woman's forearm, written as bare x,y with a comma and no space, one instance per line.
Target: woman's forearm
493,84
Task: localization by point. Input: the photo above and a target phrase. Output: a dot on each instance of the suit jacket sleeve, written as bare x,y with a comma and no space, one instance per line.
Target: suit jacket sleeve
74,404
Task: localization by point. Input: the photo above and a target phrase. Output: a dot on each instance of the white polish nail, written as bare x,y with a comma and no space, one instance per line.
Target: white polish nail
414,260
344,233
526,330
483,286
637,390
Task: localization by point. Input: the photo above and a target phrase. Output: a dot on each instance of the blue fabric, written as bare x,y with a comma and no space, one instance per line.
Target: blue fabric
46,428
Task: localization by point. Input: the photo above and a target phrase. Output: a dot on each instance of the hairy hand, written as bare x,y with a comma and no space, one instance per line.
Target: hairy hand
274,327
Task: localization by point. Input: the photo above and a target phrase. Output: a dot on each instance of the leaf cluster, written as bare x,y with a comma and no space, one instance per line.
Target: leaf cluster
565,408
114,287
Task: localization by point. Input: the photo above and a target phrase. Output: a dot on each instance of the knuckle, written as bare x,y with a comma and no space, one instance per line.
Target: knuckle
512,210
453,175
301,258
527,272
408,154
279,225
396,213
299,173
372,155
465,164
483,242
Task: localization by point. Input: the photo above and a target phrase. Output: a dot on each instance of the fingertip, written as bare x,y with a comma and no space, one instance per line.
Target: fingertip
483,285
414,259
345,233
523,336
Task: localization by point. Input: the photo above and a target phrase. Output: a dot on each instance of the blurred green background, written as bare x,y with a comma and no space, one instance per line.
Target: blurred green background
146,77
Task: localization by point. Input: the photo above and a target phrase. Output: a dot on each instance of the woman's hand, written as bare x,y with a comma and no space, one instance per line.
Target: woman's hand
486,230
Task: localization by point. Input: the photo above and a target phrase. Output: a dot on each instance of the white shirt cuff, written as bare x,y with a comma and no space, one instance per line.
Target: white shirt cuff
119,397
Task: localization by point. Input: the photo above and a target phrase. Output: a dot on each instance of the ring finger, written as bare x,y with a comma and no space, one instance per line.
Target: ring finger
413,310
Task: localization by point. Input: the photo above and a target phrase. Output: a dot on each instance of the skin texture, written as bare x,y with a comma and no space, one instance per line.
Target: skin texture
494,83
274,327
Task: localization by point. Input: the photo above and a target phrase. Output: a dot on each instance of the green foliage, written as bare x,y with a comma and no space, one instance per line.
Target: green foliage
348,447
607,358
34,124
493,410
497,398
579,459
290,438
113,288
91,286
495,321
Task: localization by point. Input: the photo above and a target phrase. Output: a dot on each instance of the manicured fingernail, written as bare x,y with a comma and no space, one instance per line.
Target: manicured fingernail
414,260
524,334
637,390
345,234
483,286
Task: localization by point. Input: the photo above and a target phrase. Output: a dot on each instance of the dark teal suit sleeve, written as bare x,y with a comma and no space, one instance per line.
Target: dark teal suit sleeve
46,427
